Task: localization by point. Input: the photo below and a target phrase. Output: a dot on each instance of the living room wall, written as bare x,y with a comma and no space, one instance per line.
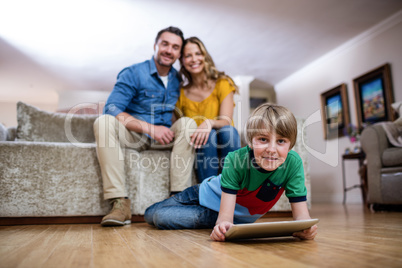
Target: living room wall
23,79
301,93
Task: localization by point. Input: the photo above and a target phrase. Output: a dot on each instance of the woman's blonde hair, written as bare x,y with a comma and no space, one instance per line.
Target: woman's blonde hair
210,70
271,118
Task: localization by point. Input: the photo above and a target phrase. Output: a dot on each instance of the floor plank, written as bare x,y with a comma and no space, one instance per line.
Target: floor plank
110,250
240,251
190,249
149,251
69,252
35,250
348,236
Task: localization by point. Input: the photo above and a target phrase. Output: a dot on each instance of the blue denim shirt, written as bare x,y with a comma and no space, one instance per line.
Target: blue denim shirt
140,92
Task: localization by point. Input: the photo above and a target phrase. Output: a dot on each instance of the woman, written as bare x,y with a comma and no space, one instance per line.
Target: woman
207,97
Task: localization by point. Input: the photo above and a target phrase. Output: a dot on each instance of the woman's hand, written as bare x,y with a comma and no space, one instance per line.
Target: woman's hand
200,136
218,233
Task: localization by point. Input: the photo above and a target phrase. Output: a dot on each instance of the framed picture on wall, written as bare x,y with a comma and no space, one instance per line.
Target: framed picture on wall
335,111
374,96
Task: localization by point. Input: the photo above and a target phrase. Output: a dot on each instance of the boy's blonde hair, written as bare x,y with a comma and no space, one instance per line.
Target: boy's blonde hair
271,118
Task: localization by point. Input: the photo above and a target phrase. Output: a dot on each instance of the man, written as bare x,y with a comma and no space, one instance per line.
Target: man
138,114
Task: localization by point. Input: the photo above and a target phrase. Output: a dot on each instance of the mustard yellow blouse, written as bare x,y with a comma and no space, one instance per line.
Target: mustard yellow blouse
207,108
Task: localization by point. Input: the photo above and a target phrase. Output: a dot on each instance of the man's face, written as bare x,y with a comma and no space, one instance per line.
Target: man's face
167,49
270,150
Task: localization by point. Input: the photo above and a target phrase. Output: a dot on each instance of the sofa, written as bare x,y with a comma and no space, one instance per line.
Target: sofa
382,144
49,168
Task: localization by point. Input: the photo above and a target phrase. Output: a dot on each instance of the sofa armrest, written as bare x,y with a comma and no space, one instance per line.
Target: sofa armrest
374,142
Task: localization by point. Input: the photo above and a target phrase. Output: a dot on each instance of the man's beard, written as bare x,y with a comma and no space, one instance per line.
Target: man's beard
165,65
160,62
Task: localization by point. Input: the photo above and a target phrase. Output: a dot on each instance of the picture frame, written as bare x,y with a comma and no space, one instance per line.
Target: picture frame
335,111
374,96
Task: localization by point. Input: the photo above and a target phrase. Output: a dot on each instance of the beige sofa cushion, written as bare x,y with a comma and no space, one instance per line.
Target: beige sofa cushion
37,125
392,157
3,133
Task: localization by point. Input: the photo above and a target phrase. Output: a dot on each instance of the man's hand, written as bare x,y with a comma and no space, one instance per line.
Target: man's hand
218,233
307,234
161,134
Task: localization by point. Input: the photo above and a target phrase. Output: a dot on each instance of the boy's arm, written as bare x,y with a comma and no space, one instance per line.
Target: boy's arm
300,212
225,217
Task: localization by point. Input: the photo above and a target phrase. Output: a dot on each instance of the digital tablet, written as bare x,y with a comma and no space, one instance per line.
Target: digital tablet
268,229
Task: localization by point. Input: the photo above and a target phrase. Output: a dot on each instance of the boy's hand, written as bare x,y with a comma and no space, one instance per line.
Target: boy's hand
309,233
218,233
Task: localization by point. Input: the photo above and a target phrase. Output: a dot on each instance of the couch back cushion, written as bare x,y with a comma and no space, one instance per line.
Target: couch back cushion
3,132
38,125
12,133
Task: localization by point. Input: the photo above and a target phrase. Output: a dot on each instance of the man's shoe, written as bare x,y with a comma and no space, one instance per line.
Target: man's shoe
120,214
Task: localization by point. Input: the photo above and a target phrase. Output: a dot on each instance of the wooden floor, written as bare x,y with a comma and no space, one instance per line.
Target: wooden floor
348,237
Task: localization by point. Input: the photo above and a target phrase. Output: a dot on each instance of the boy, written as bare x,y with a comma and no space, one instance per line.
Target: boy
252,181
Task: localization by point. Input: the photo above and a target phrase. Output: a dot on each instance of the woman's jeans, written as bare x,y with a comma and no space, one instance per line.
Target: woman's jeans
210,158
181,211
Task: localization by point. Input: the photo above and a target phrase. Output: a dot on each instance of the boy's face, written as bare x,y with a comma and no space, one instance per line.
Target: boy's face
270,150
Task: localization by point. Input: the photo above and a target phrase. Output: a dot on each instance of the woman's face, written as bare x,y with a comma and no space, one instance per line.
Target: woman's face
193,60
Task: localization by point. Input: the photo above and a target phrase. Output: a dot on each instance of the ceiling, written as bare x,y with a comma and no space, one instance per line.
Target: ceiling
90,41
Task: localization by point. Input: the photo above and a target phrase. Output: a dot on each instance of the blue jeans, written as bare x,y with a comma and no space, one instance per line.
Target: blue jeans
181,211
211,156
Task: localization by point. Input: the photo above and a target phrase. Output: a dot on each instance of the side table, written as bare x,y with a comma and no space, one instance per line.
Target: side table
362,172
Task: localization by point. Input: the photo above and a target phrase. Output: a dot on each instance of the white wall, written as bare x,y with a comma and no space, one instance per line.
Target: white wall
301,93
70,98
23,79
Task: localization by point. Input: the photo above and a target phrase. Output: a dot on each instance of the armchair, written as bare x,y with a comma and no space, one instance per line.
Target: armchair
384,163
